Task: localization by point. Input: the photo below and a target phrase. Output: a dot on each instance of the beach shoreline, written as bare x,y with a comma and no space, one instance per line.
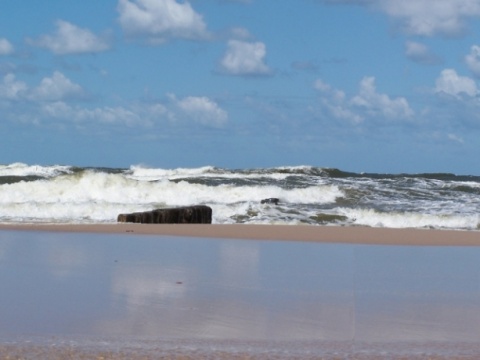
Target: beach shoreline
110,349
306,233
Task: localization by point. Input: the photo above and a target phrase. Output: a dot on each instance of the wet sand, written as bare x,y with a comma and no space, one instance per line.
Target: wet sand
324,234
133,291
246,351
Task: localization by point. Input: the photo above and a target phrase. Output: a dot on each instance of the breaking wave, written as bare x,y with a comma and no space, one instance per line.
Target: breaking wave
307,195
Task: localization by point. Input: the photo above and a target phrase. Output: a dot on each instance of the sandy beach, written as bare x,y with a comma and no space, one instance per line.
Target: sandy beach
322,234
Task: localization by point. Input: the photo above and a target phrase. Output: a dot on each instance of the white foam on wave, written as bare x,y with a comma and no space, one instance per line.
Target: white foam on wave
99,196
373,218
139,172
96,195
21,169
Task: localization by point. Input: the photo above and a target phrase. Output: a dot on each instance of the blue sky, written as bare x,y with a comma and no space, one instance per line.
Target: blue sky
360,85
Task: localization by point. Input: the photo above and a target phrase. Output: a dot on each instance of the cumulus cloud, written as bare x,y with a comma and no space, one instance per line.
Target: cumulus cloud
56,87
6,48
335,103
202,110
377,104
420,53
473,60
240,33
337,95
160,20
57,109
11,88
54,100
367,104
450,83
245,58
71,39
116,115
424,17
112,115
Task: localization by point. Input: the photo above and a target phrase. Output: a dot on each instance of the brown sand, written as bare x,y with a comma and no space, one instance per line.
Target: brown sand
77,353
324,234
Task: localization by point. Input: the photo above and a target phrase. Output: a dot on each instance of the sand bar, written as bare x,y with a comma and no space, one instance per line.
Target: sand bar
324,234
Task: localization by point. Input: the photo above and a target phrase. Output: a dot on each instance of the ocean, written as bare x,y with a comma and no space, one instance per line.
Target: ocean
306,195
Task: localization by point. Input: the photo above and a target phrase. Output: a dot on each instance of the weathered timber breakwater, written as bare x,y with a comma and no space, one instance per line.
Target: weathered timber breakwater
198,214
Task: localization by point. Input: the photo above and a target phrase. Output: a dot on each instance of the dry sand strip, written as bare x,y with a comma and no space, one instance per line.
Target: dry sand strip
310,233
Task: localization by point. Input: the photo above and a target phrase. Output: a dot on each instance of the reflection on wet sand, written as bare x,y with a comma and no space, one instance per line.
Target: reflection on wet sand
250,294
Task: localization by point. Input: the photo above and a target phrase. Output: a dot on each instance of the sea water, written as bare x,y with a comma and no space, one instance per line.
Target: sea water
145,297
307,195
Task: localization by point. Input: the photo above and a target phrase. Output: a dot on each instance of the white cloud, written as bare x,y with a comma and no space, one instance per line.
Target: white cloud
240,33
113,115
367,104
380,104
245,58
6,48
12,89
334,101
56,88
202,110
455,138
58,109
449,82
337,95
198,109
160,20
107,115
50,101
424,17
420,53
428,18
158,110
473,60
343,112
71,39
